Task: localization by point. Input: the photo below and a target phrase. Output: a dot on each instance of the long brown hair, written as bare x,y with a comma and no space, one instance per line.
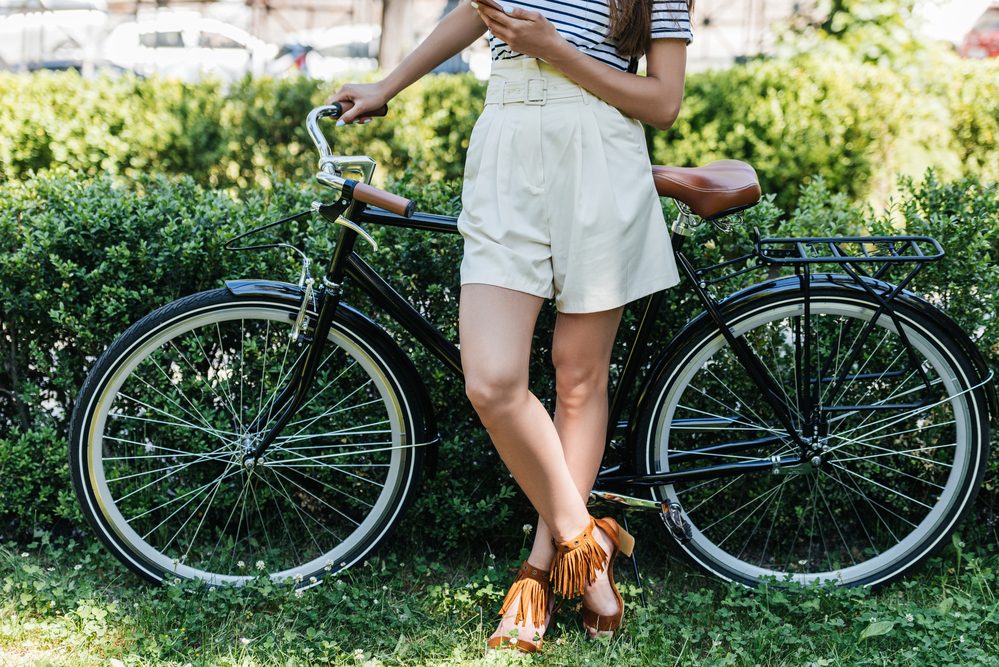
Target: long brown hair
631,25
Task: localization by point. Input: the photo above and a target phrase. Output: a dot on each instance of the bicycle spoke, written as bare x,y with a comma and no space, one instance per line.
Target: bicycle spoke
693,510
878,484
896,452
302,488
173,466
177,422
194,493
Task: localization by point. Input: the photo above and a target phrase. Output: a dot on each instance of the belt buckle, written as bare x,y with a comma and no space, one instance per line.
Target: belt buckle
536,100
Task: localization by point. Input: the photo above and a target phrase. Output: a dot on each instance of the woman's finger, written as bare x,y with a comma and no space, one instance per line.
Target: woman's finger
499,18
352,113
524,15
339,96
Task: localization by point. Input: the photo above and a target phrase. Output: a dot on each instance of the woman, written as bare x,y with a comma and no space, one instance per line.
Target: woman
558,202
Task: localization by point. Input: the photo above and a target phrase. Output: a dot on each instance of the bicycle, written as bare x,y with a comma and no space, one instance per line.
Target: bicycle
821,425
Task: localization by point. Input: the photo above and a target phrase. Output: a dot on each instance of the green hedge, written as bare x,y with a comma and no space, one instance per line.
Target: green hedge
81,258
855,125
248,134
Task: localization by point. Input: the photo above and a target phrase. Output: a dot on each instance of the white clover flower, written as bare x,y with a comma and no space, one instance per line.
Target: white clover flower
241,565
527,528
492,556
244,640
78,567
211,589
298,578
299,592
384,587
313,580
909,617
24,554
260,565
359,654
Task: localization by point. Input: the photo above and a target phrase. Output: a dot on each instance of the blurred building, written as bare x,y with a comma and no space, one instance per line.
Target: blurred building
728,31
40,31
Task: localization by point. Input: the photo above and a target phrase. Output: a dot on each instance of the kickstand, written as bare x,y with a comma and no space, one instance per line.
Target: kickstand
634,565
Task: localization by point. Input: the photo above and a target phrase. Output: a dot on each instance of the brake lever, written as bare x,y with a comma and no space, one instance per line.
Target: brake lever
317,206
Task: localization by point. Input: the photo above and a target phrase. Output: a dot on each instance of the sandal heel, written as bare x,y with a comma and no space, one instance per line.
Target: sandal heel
627,542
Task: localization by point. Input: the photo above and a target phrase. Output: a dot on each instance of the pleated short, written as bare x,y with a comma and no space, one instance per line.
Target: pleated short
558,198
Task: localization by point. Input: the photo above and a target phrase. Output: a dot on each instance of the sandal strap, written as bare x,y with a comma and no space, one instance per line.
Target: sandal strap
577,562
513,643
531,572
532,590
599,623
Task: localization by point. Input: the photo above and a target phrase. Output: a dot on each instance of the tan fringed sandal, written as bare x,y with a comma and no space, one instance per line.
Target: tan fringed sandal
533,589
577,562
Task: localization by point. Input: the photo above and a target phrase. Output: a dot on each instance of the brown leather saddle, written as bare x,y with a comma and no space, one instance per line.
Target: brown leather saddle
712,191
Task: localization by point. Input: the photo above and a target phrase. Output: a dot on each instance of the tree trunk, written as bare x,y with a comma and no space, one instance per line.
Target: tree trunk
394,44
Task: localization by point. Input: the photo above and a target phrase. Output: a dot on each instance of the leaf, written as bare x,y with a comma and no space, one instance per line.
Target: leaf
877,629
945,605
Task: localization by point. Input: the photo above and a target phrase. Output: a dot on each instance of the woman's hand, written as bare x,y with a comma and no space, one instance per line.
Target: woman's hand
526,32
366,97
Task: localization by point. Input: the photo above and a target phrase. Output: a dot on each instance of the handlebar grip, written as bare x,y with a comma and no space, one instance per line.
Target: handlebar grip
386,200
346,105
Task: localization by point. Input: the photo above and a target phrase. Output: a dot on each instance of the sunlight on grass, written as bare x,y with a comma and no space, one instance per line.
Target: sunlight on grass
71,604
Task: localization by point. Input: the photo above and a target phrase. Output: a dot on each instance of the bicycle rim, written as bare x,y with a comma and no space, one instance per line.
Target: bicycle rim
892,481
163,447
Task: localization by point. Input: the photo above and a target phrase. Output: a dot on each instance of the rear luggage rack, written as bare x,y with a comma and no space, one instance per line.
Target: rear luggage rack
849,250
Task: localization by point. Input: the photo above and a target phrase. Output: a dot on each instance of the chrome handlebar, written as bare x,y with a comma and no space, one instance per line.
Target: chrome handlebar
326,159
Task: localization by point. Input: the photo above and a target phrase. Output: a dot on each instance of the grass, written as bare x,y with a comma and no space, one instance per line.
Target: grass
70,603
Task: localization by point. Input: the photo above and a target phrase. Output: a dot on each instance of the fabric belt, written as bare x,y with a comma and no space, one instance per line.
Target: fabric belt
532,91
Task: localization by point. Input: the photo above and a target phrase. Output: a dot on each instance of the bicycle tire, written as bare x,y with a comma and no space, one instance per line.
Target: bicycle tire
703,396
155,418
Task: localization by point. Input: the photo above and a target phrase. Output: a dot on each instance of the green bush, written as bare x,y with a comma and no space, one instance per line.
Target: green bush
854,124
241,136
973,90
82,258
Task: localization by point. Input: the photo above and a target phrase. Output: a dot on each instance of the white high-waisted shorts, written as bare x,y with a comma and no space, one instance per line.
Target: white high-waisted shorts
558,198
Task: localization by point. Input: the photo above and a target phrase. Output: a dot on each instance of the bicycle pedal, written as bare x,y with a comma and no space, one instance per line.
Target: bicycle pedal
678,526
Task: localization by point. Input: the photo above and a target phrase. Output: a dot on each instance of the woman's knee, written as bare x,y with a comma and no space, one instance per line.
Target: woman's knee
577,381
491,392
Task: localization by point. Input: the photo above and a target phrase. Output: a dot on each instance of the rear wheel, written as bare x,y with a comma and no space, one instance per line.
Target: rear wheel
158,433
895,467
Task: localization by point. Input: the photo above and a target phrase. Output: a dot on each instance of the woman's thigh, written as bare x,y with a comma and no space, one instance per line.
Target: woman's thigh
495,330
581,348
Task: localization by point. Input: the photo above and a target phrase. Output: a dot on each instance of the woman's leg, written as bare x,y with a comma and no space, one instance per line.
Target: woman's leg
581,349
495,327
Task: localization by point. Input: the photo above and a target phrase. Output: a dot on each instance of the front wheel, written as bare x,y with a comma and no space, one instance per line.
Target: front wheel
899,441
160,425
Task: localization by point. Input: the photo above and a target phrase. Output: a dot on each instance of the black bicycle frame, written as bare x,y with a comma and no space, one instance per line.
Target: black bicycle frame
348,264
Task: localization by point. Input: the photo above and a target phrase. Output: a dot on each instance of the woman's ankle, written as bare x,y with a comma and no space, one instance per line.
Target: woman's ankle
572,531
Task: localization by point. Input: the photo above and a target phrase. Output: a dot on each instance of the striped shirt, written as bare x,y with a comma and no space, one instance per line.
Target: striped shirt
586,24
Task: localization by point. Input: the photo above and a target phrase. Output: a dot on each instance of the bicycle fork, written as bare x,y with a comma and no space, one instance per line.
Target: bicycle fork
303,374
